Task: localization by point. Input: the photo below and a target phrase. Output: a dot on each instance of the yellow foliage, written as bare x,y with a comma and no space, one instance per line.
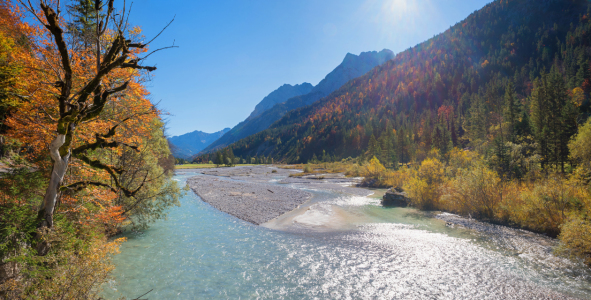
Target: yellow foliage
460,159
578,96
575,239
580,145
580,151
376,169
474,191
432,171
546,204
423,186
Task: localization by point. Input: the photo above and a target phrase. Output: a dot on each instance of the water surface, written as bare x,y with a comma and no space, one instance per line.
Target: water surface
336,247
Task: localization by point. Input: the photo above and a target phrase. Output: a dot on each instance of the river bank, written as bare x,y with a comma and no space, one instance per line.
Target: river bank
336,245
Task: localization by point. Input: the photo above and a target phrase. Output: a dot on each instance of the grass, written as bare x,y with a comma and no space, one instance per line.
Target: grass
203,166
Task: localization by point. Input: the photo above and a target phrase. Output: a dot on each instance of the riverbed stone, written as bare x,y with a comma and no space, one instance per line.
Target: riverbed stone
394,197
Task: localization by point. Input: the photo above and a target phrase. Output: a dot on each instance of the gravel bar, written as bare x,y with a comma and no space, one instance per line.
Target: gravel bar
253,202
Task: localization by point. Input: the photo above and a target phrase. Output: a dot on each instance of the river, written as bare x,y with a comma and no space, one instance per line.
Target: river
343,247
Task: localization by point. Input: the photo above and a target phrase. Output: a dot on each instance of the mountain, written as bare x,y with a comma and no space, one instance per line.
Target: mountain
352,66
189,144
279,95
451,90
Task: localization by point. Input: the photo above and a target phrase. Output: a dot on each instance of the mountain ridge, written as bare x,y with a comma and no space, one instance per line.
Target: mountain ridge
351,67
279,95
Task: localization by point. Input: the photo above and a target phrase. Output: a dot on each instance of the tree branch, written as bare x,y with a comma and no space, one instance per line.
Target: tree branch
30,8
150,69
113,171
100,100
164,48
101,142
161,31
57,32
109,12
78,186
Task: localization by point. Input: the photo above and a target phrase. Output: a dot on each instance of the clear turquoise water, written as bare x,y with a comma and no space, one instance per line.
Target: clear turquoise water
391,253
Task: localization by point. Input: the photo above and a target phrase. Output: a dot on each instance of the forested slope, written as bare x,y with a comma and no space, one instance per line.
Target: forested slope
471,85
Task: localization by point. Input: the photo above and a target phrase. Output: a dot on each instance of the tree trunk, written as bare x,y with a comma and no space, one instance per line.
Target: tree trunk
60,166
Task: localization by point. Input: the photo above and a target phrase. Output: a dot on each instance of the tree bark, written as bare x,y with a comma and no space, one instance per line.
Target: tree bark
60,166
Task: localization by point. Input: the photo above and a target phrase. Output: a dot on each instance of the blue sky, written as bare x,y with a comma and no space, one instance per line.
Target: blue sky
233,53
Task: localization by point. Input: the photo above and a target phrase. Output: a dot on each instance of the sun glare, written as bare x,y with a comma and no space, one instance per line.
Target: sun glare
399,8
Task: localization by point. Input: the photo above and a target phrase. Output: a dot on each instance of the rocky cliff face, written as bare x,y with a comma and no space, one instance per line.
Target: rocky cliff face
352,67
280,95
189,144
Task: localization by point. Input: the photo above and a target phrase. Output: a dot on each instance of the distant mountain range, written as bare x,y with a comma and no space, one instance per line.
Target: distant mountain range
276,104
189,144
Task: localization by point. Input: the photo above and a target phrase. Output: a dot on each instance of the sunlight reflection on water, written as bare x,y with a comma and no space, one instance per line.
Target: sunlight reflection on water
395,253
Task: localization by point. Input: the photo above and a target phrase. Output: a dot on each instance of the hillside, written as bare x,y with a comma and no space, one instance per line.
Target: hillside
352,66
451,90
189,144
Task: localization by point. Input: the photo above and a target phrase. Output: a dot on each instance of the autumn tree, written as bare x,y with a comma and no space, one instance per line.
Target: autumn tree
81,97
71,259
580,151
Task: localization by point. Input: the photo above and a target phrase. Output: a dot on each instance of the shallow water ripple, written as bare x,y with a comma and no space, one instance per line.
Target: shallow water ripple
201,253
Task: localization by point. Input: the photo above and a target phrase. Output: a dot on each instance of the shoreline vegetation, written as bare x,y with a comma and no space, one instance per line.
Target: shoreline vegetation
462,182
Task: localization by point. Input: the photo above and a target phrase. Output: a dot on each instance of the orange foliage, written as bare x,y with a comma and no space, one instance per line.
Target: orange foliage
34,122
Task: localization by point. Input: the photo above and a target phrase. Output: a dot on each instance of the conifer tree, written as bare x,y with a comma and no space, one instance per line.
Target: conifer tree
523,127
219,159
373,145
512,110
437,138
401,145
230,157
478,119
554,118
454,135
540,117
83,23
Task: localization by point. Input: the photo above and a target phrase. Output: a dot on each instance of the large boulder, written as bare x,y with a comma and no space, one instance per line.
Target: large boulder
395,197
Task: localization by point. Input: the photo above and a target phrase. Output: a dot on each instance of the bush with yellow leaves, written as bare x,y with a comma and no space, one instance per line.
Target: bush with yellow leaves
423,186
475,190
